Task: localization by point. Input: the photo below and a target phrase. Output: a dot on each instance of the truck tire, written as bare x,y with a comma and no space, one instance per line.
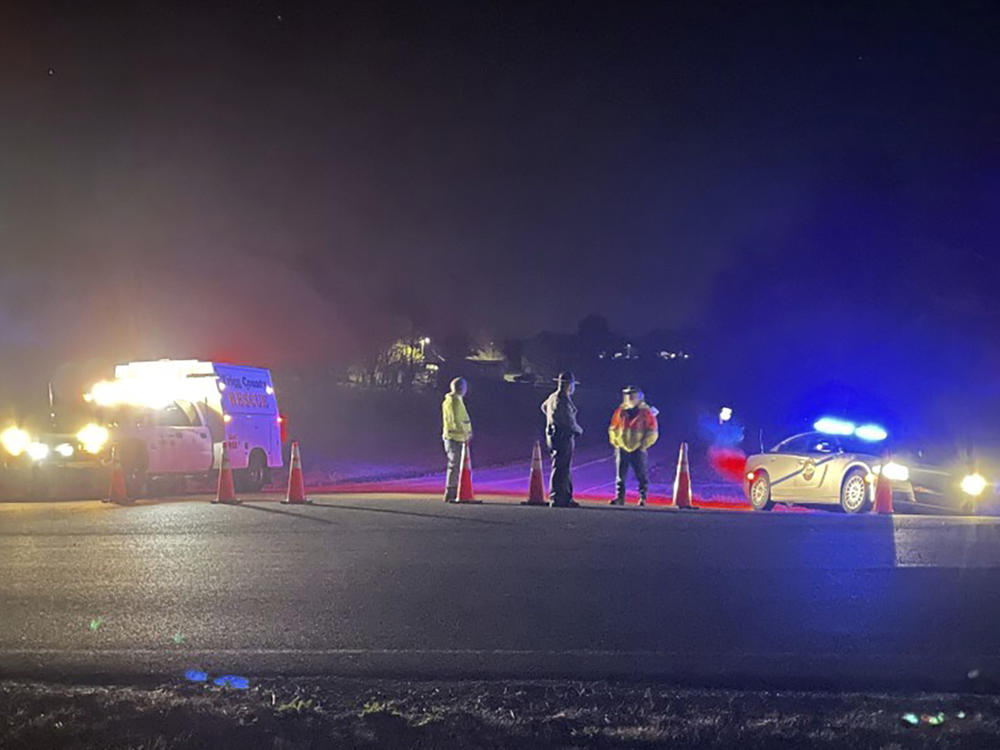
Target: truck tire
255,475
135,464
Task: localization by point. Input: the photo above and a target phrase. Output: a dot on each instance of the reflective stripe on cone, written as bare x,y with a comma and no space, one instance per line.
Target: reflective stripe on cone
227,490
682,481
536,485
296,484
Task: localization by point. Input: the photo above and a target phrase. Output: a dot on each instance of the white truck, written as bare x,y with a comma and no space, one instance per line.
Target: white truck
170,418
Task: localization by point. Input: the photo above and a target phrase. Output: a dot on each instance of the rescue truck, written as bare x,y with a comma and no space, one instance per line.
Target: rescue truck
170,419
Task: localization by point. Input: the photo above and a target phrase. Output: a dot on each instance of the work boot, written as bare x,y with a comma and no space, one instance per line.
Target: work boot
618,501
642,501
451,495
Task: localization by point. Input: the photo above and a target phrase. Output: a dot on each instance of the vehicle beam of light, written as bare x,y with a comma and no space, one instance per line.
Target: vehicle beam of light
93,438
834,426
974,484
15,440
896,472
37,451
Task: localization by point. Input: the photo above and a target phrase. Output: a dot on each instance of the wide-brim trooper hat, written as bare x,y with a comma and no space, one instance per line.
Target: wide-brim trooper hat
566,377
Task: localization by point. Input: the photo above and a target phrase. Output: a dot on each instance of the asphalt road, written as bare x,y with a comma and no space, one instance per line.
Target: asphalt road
409,586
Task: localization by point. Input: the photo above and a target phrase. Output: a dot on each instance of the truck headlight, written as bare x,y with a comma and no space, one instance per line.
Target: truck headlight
895,472
37,451
15,440
973,484
93,437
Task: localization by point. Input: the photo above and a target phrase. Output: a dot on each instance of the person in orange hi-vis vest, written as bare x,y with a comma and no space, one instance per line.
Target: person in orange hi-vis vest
632,432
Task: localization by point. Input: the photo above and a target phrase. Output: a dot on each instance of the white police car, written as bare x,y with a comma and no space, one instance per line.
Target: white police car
834,464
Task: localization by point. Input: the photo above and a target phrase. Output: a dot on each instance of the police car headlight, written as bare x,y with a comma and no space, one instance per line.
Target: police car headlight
37,451
973,484
15,440
93,438
896,472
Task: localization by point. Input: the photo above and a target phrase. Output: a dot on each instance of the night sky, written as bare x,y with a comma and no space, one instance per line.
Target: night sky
282,182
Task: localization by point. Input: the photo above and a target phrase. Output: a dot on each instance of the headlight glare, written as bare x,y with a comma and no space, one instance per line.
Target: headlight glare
896,472
37,451
93,437
15,440
973,484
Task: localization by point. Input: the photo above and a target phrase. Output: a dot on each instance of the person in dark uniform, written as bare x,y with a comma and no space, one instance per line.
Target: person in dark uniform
561,430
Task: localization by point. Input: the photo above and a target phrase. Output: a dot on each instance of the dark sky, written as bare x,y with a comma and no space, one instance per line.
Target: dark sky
277,181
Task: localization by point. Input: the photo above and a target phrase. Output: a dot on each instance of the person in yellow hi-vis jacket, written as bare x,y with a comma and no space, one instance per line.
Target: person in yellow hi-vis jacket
456,432
632,432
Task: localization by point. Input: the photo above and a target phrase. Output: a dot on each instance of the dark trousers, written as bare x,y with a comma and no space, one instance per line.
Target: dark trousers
453,450
561,484
638,461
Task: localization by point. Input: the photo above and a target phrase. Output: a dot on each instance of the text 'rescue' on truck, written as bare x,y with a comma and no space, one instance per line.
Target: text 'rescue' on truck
170,418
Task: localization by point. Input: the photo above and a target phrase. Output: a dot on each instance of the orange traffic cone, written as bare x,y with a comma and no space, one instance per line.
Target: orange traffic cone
117,492
536,487
227,491
883,495
682,482
296,485
465,493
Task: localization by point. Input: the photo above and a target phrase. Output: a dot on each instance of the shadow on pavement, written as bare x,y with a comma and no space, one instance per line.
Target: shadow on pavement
292,513
435,516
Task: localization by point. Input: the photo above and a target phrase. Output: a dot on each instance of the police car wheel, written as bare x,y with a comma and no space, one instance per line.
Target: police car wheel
855,495
760,493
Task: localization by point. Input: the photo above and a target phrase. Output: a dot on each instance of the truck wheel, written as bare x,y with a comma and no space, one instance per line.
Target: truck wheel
135,463
255,475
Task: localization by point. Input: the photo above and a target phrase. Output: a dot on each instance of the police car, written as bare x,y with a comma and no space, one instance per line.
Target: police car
837,463
834,464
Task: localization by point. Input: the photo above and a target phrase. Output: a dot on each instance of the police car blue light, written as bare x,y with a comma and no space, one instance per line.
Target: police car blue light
834,426
871,433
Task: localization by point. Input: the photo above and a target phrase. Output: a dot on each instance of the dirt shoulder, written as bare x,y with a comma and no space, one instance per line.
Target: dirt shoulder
335,712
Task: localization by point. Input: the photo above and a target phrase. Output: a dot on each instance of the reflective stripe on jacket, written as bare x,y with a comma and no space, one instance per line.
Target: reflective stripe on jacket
455,419
636,431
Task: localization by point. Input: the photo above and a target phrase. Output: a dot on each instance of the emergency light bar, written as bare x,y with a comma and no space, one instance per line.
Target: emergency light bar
871,433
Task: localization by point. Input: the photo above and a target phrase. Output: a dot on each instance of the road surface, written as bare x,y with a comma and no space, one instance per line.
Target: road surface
410,586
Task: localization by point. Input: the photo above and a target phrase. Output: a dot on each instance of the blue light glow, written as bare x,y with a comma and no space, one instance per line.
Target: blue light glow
834,426
195,675
233,681
871,432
